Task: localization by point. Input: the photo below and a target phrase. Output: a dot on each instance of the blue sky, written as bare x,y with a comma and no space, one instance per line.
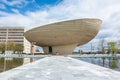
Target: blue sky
32,13
22,6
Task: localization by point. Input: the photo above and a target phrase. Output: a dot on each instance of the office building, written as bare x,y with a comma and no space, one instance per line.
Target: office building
14,35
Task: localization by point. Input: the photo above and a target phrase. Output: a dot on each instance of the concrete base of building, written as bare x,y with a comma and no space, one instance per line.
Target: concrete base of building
60,50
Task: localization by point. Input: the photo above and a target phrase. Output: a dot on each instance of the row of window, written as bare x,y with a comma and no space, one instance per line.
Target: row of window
16,29
12,34
14,42
11,41
2,32
16,32
12,29
3,29
12,37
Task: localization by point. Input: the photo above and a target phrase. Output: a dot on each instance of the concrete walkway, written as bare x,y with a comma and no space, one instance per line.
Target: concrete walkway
74,55
60,68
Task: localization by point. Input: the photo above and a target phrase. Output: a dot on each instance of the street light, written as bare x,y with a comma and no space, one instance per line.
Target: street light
6,41
5,49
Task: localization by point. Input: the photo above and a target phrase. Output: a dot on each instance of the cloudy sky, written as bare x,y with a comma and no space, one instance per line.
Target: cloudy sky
32,13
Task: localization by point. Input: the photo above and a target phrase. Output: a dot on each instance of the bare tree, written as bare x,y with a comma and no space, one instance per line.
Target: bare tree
101,45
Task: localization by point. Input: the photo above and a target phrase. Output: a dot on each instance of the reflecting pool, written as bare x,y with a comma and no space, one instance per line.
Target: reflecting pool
112,63
9,63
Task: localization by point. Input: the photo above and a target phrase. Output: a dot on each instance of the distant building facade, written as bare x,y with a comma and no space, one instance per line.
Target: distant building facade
16,35
12,34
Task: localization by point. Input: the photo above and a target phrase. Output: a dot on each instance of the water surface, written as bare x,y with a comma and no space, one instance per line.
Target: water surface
9,63
112,63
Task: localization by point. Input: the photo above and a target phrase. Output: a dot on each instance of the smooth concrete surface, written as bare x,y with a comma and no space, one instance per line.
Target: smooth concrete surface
64,34
61,50
68,32
60,68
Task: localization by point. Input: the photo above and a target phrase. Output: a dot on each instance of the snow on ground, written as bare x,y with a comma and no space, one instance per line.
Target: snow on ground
60,68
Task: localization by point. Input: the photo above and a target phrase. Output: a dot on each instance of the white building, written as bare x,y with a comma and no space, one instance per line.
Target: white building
16,35
27,46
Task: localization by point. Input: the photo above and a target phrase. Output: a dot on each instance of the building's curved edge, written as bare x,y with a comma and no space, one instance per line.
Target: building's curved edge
64,21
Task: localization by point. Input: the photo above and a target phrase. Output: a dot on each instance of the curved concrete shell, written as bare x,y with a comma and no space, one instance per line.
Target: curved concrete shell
63,37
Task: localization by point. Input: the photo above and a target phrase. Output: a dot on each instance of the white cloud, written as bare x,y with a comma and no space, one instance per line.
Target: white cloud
18,3
2,13
15,11
107,10
15,20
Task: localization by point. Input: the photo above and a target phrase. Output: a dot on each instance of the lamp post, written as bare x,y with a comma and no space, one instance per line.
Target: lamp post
5,49
6,42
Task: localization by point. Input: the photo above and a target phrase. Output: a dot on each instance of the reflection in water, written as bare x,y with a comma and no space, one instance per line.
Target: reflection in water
32,60
112,63
9,63
6,64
